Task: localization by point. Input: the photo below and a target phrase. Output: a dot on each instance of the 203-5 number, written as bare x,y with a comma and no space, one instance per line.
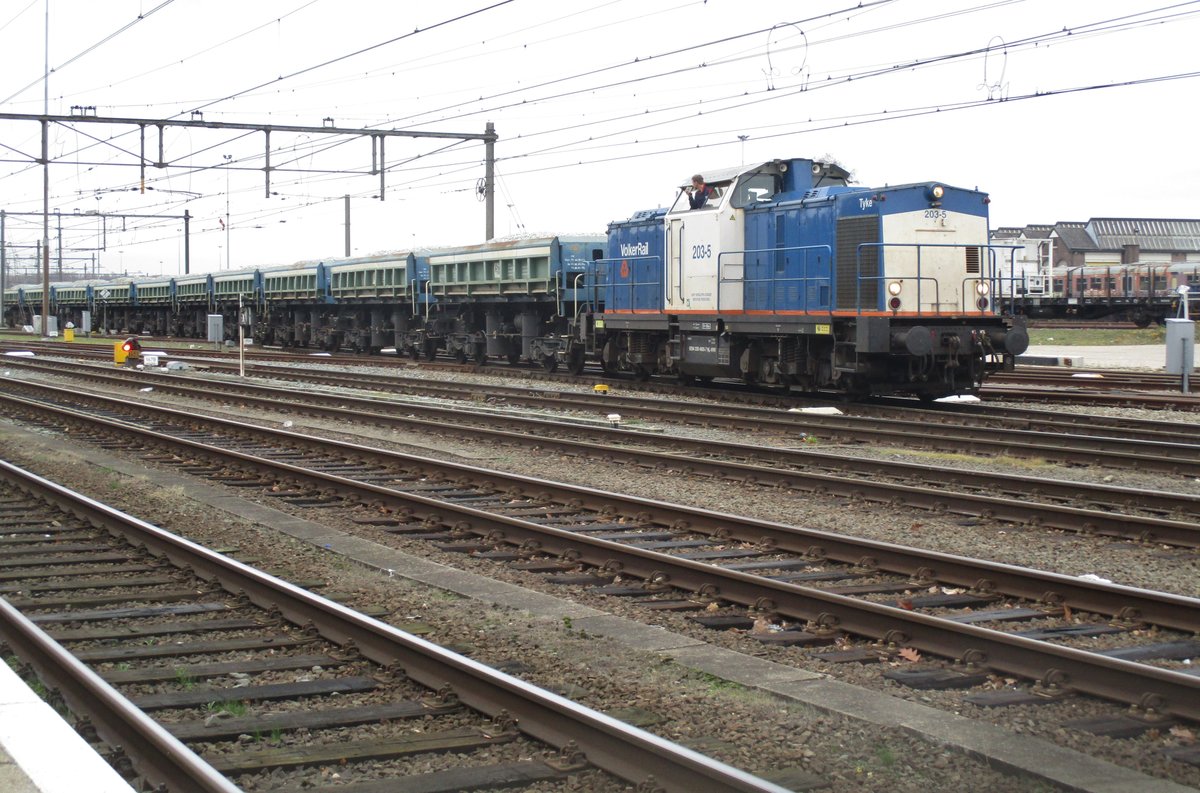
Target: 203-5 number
936,214
701,251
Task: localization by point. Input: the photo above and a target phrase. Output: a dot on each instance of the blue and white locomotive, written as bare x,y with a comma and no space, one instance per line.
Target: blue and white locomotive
789,276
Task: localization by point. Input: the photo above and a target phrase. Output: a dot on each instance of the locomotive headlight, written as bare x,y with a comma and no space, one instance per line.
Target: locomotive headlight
982,288
936,192
894,288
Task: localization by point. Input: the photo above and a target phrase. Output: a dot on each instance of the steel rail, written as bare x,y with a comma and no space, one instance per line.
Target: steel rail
1016,418
1123,681
1091,378
731,391
1015,508
1178,456
157,756
1019,485
609,744
1104,398
1161,609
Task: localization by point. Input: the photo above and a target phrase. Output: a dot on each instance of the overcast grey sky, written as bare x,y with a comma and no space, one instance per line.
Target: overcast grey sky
1060,109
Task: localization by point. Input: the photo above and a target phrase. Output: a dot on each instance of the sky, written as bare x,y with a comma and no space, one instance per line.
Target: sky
1059,109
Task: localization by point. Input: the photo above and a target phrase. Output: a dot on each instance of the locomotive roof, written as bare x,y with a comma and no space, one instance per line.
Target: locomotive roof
723,174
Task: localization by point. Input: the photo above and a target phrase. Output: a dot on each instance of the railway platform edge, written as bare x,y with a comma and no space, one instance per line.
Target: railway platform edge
40,752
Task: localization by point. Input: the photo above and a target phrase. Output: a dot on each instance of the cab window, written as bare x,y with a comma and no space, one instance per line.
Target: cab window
756,189
718,191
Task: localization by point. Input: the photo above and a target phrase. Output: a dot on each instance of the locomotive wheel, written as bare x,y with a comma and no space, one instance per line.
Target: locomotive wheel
460,355
575,361
480,356
513,358
550,363
430,349
641,373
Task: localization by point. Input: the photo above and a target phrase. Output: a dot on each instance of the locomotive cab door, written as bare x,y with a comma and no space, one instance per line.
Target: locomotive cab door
701,245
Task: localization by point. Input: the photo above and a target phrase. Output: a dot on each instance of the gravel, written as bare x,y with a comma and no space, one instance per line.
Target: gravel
750,729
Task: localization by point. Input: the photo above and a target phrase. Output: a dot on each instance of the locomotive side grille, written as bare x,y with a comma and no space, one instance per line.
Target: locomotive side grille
852,232
972,254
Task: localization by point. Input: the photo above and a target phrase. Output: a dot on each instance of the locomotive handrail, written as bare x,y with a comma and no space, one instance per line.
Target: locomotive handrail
575,294
1012,279
721,265
991,295
859,278
988,277
630,286
589,268
679,253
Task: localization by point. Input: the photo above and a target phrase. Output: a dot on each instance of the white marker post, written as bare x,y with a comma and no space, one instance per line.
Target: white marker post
1181,341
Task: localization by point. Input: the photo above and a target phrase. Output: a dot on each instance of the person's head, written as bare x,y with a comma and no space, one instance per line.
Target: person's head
698,181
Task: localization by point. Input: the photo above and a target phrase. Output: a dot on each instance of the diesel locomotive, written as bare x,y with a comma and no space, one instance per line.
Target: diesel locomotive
789,276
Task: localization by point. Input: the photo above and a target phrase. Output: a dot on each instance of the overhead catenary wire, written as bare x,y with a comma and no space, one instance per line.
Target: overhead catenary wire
895,115
594,143
140,18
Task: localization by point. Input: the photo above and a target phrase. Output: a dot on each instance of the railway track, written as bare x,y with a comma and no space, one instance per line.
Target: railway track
1076,397
764,413
1064,389
187,634
1093,379
1152,446
1100,509
1098,324
687,559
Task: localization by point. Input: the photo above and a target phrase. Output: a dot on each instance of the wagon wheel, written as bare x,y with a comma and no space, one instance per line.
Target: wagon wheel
480,356
641,373
460,355
513,358
550,363
430,350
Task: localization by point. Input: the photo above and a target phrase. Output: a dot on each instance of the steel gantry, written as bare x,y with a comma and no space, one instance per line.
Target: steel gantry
378,161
